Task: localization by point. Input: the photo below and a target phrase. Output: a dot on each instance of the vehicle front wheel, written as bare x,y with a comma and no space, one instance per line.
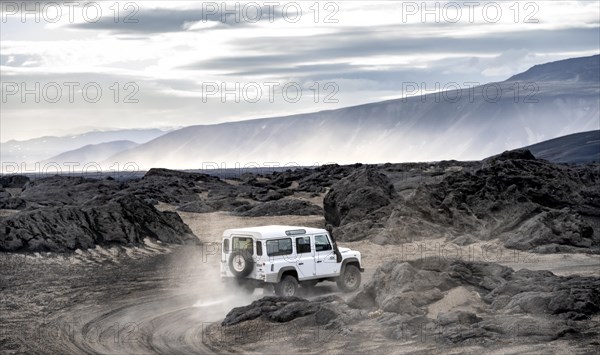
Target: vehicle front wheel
350,280
287,287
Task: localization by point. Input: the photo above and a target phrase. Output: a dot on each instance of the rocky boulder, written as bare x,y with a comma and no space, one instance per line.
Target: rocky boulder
66,190
527,204
282,309
174,187
413,288
12,203
358,201
522,154
283,207
225,204
106,220
13,181
433,302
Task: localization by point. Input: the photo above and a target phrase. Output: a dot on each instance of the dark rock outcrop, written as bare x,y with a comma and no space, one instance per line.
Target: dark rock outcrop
282,309
283,207
12,203
225,204
106,220
498,303
66,190
161,173
458,318
9,202
409,288
527,204
174,187
197,207
13,181
313,180
357,202
513,154
434,301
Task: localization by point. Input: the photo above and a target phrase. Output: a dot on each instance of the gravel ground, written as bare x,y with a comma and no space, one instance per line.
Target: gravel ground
159,299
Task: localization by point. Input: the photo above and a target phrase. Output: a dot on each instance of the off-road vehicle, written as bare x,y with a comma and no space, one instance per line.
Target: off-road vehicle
287,257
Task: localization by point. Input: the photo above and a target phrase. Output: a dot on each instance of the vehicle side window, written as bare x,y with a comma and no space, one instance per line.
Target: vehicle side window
258,248
279,247
226,245
303,245
322,243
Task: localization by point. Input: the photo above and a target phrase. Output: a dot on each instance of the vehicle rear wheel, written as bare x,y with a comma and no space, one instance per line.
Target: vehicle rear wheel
287,287
350,280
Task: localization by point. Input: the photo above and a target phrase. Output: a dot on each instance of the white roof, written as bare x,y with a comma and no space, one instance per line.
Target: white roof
270,232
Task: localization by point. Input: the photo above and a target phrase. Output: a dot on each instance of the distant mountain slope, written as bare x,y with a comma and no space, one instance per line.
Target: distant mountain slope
40,149
575,69
435,127
581,147
93,152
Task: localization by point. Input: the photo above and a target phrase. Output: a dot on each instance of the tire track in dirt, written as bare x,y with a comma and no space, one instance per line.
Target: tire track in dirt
152,324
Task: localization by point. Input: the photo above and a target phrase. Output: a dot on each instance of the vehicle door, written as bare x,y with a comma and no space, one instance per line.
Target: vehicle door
326,262
305,258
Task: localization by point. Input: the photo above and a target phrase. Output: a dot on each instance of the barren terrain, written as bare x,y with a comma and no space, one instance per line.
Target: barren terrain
498,256
163,299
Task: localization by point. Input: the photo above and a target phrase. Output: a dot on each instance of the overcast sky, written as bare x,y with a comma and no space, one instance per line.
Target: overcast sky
166,63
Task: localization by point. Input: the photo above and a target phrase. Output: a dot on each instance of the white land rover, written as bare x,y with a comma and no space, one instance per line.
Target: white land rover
286,257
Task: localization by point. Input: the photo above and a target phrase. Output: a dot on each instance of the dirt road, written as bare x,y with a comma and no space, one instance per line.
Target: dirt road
134,300
148,300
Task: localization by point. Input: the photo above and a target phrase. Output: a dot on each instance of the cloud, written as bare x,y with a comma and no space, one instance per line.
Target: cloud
369,43
161,20
20,60
170,52
348,54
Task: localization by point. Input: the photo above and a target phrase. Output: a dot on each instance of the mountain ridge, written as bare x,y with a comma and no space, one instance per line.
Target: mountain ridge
92,152
404,129
40,149
582,147
417,128
572,69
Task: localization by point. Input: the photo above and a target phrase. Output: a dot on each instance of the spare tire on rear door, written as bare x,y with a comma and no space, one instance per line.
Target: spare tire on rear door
241,263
